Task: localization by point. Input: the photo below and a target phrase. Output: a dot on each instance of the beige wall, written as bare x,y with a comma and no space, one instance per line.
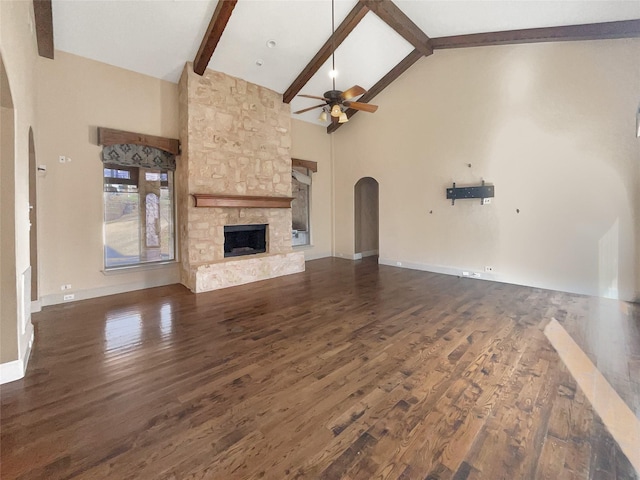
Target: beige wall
551,125
311,142
18,50
76,95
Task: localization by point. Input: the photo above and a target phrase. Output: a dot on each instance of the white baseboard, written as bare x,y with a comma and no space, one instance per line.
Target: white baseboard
315,255
11,371
58,298
349,256
15,370
482,275
311,254
458,272
36,306
357,256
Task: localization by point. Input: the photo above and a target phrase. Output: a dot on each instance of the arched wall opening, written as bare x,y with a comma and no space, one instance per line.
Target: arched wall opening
366,218
8,285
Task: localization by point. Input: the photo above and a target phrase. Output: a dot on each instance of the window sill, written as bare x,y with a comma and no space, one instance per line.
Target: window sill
138,268
302,247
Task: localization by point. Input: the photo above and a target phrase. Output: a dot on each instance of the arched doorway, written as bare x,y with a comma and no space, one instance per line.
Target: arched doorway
366,217
8,289
33,217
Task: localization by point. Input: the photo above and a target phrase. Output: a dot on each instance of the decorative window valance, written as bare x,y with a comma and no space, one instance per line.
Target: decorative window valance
138,150
138,156
313,166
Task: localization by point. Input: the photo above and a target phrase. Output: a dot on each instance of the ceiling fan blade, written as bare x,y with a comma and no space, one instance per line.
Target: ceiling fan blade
313,96
353,92
365,107
310,108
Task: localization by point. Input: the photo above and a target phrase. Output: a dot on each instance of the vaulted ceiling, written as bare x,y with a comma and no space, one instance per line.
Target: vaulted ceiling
279,43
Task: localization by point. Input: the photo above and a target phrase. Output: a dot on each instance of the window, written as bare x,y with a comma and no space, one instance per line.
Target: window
300,188
138,215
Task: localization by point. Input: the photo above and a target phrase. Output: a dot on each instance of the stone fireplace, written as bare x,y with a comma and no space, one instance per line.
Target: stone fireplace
235,140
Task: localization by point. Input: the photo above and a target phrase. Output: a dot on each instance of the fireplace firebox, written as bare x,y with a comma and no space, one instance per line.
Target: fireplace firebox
244,240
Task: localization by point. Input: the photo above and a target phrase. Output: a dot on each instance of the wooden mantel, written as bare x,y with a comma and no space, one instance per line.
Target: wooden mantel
240,201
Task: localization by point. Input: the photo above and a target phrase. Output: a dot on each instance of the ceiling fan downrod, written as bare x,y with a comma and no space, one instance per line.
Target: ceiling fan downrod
333,45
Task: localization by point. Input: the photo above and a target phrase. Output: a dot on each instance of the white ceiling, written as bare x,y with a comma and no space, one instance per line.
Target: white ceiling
156,37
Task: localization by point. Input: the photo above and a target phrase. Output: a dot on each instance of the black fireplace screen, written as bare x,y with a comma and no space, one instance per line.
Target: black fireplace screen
244,240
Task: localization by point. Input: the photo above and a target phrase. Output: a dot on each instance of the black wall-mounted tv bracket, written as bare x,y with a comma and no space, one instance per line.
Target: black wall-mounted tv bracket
458,193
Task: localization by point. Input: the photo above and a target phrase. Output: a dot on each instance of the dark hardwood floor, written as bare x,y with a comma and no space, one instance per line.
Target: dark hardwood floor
349,370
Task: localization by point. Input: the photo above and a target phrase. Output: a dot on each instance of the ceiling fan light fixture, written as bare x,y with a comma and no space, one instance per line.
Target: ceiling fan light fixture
336,102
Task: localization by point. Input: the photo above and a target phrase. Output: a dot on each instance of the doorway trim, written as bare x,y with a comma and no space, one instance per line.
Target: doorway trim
33,224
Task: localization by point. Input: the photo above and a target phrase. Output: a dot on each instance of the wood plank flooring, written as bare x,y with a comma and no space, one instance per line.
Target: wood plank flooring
349,370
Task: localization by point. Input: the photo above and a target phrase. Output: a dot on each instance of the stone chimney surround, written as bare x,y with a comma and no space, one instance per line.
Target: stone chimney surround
235,169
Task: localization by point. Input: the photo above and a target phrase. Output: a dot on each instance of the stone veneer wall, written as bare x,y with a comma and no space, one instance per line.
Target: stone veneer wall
235,140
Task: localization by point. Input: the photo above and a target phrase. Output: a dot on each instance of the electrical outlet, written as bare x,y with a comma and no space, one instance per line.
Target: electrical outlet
62,159
66,286
488,269
68,297
486,201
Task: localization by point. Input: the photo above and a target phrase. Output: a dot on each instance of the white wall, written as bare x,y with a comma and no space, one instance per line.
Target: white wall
75,96
551,125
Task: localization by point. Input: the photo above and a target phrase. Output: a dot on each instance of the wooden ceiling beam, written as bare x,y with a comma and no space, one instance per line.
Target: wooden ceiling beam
218,23
591,31
43,16
383,83
356,14
403,25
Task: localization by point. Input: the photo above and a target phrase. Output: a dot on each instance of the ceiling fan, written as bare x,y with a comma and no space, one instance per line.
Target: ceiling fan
336,101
